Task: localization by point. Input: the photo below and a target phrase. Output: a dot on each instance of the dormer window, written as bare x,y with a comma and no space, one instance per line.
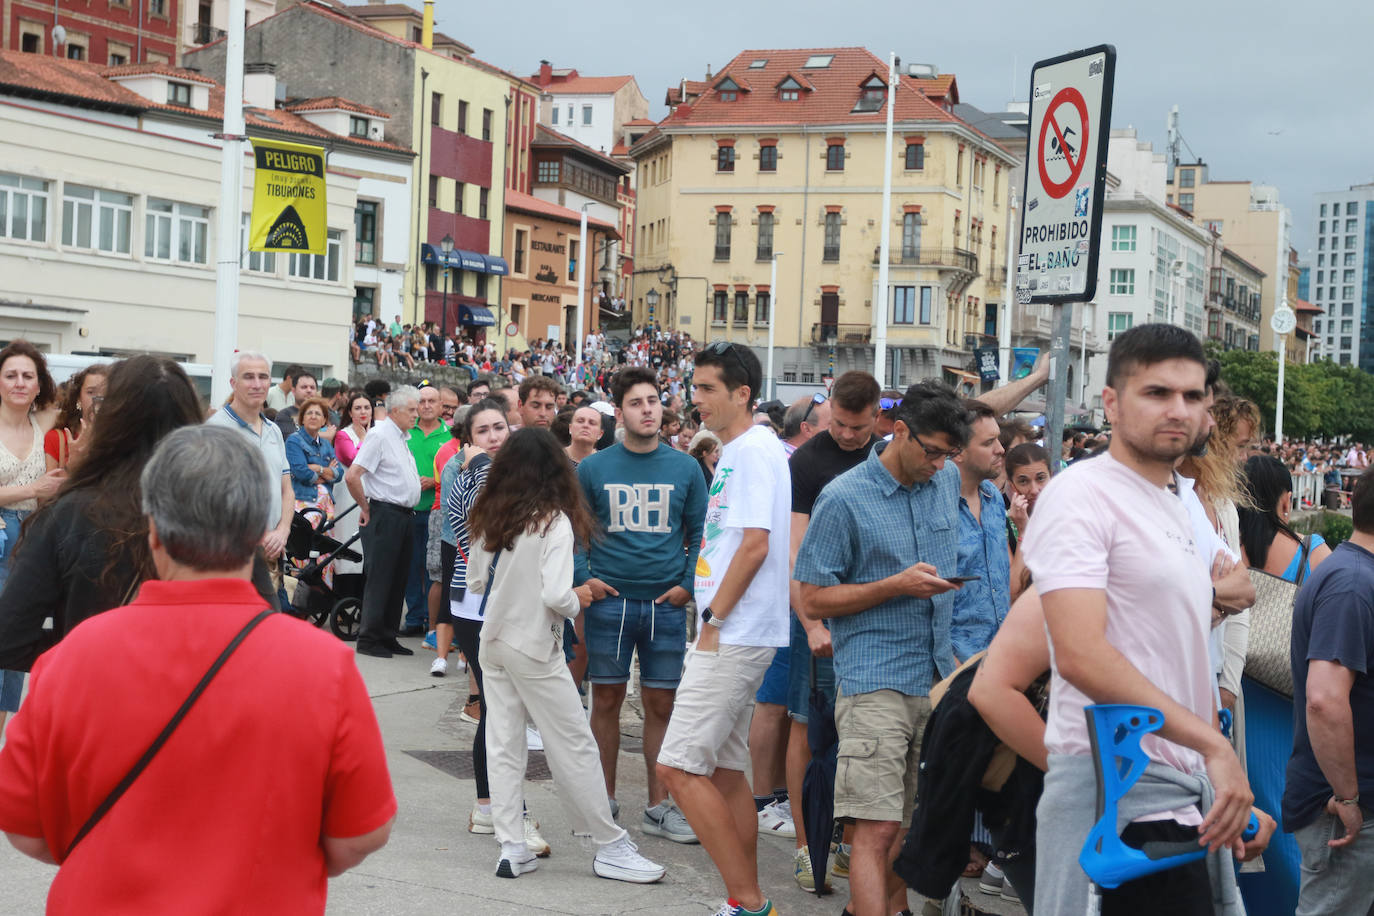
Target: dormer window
179,94
789,90
728,89
728,95
357,127
872,92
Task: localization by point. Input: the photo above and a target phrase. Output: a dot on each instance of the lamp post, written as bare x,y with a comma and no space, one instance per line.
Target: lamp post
772,323
651,297
446,247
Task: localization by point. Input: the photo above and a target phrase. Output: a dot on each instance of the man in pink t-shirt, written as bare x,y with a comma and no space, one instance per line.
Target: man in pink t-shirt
1127,596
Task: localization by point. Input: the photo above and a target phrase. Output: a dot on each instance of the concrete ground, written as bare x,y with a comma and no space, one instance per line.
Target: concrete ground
432,862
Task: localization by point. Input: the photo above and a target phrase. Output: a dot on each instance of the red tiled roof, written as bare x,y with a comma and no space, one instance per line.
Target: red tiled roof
333,102
584,85
1302,305
160,69
937,87
640,122
620,149
545,134
525,203
837,89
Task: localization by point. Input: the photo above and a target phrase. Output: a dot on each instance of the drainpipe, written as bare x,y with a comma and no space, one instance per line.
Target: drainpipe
421,195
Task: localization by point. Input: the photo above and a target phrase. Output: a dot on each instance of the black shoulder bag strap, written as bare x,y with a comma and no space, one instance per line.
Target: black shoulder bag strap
1306,543
491,583
166,733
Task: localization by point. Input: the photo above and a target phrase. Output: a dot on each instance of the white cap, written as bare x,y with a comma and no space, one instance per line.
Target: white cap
603,407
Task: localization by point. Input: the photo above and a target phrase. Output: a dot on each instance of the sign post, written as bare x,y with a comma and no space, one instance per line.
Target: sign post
1061,209
1282,323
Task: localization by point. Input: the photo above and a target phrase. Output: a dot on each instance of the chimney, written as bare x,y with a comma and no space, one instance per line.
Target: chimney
260,85
427,35
545,73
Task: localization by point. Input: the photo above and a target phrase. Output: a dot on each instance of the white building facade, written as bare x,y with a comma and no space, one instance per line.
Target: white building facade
1340,283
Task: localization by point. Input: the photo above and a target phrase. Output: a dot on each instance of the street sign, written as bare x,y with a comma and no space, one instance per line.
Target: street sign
512,329
1061,209
288,198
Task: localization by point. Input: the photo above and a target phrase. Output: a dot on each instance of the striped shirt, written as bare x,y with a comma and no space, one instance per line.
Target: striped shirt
865,527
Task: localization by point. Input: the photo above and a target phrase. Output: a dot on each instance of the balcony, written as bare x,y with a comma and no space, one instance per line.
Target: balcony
206,33
1035,320
947,258
848,334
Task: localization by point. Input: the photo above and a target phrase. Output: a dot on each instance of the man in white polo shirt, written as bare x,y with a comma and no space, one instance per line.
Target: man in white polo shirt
386,485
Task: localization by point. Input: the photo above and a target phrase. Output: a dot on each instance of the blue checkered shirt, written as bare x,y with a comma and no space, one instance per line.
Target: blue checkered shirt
981,605
865,527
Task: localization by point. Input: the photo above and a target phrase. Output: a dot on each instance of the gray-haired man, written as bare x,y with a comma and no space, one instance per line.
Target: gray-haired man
384,482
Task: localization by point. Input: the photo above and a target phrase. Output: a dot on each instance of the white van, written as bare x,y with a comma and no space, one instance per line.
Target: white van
63,366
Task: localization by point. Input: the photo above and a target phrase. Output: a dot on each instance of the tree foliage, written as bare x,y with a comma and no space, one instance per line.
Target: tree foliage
1321,399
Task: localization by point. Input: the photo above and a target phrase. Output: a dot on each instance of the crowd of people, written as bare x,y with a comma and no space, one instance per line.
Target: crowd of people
918,570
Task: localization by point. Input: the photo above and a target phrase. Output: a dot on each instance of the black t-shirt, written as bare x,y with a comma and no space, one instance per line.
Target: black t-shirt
819,461
1333,621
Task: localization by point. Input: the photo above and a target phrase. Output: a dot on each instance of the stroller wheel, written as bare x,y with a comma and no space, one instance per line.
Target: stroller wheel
346,619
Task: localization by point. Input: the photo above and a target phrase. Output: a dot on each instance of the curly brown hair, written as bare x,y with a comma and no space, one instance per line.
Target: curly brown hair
530,483
69,415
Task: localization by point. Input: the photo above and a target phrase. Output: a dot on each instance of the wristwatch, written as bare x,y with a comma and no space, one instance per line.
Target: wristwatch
1352,801
708,618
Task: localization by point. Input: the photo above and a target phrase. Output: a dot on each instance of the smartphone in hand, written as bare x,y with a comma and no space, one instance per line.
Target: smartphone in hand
960,580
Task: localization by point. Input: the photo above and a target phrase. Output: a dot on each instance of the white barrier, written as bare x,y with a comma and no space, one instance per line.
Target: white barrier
1307,490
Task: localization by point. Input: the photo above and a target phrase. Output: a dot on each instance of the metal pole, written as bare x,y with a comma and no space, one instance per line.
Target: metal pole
1061,328
1004,326
1083,354
880,306
1278,400
443,317
230,206
772,314
581,277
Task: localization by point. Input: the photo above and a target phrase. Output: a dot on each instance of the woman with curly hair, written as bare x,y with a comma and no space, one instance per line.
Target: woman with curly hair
84,393
525,527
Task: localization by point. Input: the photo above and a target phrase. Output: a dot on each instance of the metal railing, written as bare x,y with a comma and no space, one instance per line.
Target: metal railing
206,33
822,333
956,258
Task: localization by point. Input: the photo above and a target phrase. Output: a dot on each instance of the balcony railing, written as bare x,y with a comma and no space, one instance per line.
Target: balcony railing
822,333
206,33
955,258
997,276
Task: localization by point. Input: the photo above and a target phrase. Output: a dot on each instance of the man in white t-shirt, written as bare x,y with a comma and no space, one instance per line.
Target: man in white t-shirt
741,588
1127,597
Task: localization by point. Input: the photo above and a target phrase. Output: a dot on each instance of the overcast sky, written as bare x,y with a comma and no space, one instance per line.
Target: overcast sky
1274,91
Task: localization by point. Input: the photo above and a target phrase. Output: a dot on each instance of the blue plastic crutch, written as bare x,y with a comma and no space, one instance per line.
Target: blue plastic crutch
1115,731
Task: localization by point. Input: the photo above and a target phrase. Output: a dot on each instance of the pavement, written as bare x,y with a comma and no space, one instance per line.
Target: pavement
432,862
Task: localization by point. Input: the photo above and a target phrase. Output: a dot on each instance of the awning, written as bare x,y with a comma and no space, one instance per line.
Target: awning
496,266
464,260
468,260
476,316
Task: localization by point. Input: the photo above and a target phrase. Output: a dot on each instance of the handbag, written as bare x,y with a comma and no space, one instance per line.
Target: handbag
142,764
1267,656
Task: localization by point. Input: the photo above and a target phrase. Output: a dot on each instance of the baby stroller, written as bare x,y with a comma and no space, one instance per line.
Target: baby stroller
313,598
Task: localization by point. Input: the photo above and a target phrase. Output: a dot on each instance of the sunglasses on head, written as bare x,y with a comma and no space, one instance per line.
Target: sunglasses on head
816,400
889,403
722,347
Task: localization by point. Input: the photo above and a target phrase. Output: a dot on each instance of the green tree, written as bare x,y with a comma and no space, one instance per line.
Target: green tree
1321,399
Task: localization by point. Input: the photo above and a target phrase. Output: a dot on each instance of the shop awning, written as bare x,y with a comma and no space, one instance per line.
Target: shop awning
476,316
469,260
496,266
464,260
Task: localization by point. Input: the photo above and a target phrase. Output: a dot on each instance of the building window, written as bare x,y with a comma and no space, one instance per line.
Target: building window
436,109
75,51
365,232
720,307
364,298
586,115
460,191
832,236
553,115
1185,201
762,304
903,305
434,190
173,230
1118,322
519,266
157,7
547,173
1185,178
1323,210
264,262
741,307
915,157
96,220
1350,208
179,94
31,43
317,266
23,208
722,236
911,236
1123,238
990,319
481,292
357,127
765,247
483,196
1349,241
768,159
486,124
959,170
1123,281
462,117
834,157
725,159
927,305
574,249
116,59
788,95
728,95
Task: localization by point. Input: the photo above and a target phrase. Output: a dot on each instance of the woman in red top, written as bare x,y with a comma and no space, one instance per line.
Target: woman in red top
83,397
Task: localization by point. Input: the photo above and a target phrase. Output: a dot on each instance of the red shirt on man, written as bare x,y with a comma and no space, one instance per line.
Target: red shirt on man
281,749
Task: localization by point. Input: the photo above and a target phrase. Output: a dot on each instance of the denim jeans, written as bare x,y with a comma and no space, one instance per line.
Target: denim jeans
1335,880
11,682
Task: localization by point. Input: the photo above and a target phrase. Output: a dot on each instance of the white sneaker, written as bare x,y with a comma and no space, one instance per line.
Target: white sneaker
480,823
438,668
515,861
621,861
776,820
533,738
533,841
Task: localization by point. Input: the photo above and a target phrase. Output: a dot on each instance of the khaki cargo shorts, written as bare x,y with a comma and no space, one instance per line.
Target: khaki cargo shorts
879,754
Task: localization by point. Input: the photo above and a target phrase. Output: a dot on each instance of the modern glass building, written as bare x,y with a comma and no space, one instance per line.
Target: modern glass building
1342,275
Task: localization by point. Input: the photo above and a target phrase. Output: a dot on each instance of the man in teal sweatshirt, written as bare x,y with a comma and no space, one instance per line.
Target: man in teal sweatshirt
651,502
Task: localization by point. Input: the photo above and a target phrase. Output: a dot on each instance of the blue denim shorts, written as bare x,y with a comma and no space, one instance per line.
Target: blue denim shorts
615,628
11,682
775,681
799,675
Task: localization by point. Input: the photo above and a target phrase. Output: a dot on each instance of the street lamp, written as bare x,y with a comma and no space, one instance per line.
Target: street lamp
445,246
651,297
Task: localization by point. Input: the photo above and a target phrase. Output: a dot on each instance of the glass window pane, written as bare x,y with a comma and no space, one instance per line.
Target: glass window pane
84,217
124,223
18,228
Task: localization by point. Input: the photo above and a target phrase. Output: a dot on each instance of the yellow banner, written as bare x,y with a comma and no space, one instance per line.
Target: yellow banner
288,198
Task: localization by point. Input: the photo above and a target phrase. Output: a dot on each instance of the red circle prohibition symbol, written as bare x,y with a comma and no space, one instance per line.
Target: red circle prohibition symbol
1072,96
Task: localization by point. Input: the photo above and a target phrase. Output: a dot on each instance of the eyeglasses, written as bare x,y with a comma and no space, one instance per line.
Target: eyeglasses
936,454
889,403
816,400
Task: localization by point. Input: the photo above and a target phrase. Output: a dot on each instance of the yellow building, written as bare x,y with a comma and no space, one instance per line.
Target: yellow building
781,153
